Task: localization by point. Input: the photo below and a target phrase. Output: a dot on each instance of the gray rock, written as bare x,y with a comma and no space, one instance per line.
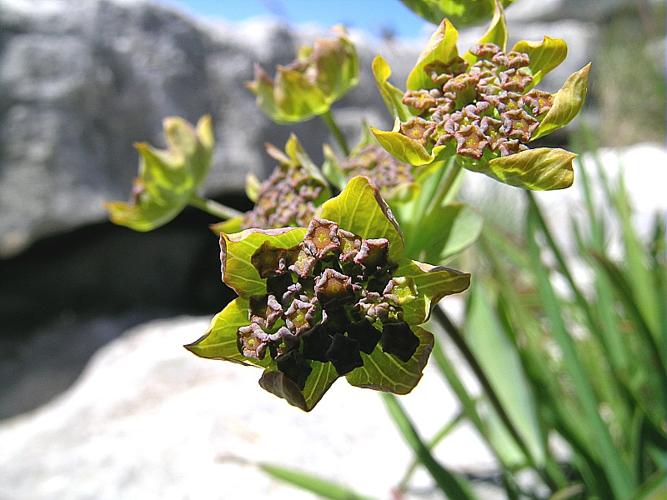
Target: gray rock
147,419
82,81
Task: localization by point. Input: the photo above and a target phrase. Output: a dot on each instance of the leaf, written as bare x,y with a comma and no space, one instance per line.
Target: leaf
496,33
433,283
384,372
611,462
322,376
360,209
252,187
392,97
317,485
447,230
538,169
441,47
296,98
298,156
237,249
233,225
460,12
219,342
167,178
453,486
322,75
403,148
568,102
331,168
500,361
544,56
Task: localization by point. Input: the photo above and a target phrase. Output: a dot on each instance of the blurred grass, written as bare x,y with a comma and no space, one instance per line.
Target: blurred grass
583,364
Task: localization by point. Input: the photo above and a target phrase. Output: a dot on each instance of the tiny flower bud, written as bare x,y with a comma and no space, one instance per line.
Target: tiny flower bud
294,367
399,340
415,129
334,289
419,99
282,341
400,291
300,316
344,354
485,50
316,343
373,253
517,59
349,245
271,261
252,341
365,334
265,310
322,238
304,264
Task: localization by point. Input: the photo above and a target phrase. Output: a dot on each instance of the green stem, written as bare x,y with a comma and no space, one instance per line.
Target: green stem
447,184
338,135
214,208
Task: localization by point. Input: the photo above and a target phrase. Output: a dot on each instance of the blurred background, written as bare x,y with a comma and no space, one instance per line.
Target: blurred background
97,397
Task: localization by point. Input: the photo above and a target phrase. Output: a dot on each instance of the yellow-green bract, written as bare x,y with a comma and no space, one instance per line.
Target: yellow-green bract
308,86
360,210
167,178
536,169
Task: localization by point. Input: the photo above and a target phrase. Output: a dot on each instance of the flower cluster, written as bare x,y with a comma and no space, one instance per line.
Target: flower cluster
328,299
308,86
373,161
478,107
289,197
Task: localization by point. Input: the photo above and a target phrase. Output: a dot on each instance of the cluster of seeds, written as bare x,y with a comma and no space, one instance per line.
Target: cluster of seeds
287,198
328,299
374,162
480,107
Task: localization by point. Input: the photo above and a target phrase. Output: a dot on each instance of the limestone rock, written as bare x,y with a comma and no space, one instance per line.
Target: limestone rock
147,419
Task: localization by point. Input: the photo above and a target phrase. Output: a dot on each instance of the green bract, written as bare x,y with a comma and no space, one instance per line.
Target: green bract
308,86
338,298
289,197
462,12
482,107
167,179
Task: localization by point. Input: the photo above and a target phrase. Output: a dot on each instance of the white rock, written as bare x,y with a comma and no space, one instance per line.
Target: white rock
147,419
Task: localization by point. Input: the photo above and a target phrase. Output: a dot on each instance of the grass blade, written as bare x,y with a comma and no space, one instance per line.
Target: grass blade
615,469
309,482
451,484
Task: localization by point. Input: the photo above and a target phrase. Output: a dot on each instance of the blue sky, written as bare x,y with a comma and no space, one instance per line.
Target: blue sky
373,16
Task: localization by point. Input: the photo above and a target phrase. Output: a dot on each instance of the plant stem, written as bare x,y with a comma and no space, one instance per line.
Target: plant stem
214,208
446,184
338,135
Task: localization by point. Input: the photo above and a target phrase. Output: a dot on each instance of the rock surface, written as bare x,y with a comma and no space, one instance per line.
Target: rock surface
82,81
149,420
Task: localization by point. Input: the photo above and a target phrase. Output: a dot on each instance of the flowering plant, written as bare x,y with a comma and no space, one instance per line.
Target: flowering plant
482,107
332,287
338,298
